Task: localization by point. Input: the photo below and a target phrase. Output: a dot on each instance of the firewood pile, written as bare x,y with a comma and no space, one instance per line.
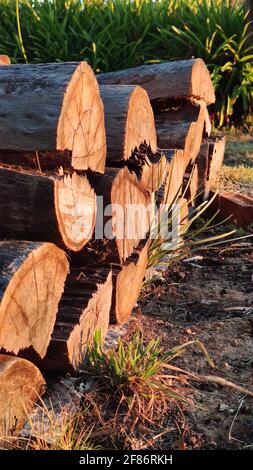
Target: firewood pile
78,152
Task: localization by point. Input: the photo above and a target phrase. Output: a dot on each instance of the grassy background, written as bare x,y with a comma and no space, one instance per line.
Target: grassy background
116,34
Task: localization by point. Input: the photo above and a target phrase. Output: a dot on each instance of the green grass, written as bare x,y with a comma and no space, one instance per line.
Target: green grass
116,34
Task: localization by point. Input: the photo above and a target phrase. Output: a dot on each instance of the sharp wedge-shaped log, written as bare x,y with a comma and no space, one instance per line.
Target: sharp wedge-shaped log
209,162
58,209
182,128
191,184
129,120
127,280
21,385
53,107
172,186
84,309
32,277
170,80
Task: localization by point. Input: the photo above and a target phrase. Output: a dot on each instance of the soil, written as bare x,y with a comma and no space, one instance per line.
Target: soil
209,298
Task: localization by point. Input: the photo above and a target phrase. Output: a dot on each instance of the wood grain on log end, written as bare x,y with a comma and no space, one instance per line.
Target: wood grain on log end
127,282
84,309
129,120
21,385
32,282
75,206
53,107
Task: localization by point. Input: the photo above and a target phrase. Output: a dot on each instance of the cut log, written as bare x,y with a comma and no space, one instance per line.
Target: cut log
202,162
129,121
21,385
53,107
123,218
165,81
127,282
191,185
173,183
32,277
216,157
84,309
151,169
182,128
4,60
209,163
59,209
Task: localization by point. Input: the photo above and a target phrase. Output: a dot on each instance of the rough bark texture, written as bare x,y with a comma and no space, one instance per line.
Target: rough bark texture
59,209
182,128
216,157
21,385
127,282
84,309
170,80
53,107
32,277
129,120
125,223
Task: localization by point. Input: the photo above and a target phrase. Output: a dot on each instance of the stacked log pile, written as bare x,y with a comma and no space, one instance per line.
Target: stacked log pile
82,160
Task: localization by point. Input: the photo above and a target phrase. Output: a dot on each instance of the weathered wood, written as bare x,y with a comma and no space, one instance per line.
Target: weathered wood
165,81
126,220
129,120
202,162
209,163
4,60
127,281
32,277
53,107
21,385
216,157
59,209
191,185
173,182
83,309
182,128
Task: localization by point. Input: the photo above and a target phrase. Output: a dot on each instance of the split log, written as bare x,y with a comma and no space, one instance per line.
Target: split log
83,309
172,186
129,121
202,162
59,209
170,80
216,157
182,128
131,133
4,60
209,163
32,277
236,207
191,185
53,107
123,217
127,281
21,385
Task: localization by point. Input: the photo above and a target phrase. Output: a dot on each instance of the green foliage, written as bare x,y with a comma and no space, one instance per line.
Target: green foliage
136,366
116,34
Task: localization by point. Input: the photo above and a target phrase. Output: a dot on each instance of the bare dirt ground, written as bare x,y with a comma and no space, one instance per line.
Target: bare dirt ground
210,299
